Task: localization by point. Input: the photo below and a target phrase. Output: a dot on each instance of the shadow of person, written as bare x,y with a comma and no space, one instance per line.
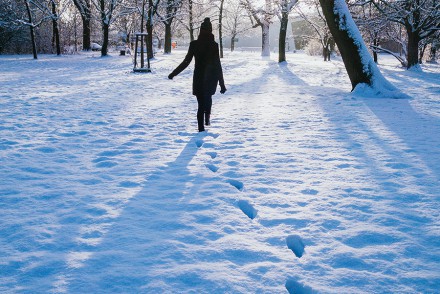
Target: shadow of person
140,239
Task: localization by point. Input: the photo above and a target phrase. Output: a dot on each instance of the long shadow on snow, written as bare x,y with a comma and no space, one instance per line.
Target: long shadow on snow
137,238
151,246
412,214
273,69
403,118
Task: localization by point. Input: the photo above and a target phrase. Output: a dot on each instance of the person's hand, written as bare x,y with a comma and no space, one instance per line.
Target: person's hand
223,89
170,76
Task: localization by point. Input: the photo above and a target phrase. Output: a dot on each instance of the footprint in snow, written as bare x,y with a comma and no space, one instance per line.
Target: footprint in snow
310,192
237,184
212,167
212,154
295,243
294,287
215,136
199,143
247,209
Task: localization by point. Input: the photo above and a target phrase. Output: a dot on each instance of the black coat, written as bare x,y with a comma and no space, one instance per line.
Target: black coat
208,70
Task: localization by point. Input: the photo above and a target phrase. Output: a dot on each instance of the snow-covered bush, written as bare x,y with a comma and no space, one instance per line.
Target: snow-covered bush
314,48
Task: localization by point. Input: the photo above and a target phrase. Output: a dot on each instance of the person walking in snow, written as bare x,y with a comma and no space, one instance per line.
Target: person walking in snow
208,71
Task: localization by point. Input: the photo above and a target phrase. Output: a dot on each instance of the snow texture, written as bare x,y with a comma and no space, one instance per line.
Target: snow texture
106,186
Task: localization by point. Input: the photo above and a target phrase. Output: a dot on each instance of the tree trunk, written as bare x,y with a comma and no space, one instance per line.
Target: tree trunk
32,31
84,9
433,53
354,52
282,37
105,29
422,53
412,48
360,66
220,37
265,46
324,53
87,33
191,21
232,43
375,43
56,33
167,45
149,26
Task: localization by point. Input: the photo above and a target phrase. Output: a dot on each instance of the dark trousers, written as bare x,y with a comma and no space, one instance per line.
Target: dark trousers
204,102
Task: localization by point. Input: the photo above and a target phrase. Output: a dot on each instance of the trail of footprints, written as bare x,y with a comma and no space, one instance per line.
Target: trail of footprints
293,242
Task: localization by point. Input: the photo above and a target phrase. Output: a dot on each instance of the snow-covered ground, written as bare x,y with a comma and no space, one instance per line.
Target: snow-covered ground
299,186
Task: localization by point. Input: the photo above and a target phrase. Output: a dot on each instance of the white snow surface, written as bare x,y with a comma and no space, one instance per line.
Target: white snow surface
298,186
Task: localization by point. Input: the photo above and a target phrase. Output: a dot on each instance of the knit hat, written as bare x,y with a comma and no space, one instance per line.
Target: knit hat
206,25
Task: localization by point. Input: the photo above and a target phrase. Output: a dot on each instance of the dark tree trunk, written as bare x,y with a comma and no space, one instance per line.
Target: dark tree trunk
422,53
220,36
191,21
233,43
87,33
105,30
56,33
348,46
375,43
167,45
432,53
84,9
413,48
32,31
282,37
149,25
325,53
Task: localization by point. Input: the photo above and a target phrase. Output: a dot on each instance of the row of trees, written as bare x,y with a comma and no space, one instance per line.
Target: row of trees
414,24
420,20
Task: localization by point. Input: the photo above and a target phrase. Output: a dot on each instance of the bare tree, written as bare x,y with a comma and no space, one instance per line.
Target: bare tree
37,12
106,10
55,29
194,11
85,10
284,8
421,19
152,9
31,25
235,23
170,9
261,16
319,24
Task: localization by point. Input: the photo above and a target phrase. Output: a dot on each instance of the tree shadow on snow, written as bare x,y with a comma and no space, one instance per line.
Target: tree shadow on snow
413,128
391,146
133,248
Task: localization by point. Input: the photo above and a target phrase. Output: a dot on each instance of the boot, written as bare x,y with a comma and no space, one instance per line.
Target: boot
207,121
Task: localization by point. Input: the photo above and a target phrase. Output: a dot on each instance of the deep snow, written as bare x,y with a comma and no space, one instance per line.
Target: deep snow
298,185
